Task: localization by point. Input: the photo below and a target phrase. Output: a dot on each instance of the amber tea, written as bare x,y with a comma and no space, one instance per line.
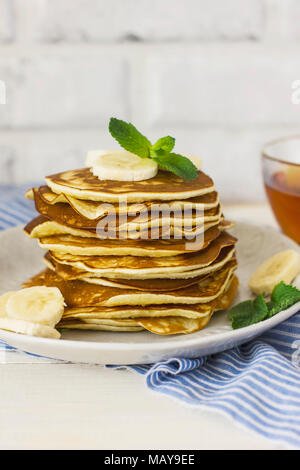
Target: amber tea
283,191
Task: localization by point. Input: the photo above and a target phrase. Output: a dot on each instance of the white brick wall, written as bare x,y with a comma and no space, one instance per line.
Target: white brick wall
31,155
151,20
51,90
215,74
293,19
223,85
282,18
6,21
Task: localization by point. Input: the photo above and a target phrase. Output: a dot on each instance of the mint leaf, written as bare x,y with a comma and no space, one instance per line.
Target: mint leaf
282,297
176,163
133,141
129,137
248,312
164,143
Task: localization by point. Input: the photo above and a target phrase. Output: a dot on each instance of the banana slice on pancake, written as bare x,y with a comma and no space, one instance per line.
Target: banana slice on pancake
120,165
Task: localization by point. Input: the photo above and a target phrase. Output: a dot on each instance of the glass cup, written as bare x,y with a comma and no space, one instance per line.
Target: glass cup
281,173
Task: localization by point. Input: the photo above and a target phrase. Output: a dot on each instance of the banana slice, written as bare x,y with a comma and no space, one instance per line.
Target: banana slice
120,165
41,305
3,303
94,154
283,266
28,328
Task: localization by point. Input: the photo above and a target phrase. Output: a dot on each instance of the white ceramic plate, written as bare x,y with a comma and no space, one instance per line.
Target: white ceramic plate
20,258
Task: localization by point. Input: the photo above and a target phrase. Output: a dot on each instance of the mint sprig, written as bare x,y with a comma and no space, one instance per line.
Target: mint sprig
253,311
248,312
161,152
282,297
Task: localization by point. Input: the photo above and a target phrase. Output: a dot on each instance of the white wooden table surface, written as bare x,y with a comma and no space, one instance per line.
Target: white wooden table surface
70,406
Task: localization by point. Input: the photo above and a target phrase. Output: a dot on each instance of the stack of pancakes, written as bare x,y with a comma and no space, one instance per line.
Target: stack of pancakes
164,274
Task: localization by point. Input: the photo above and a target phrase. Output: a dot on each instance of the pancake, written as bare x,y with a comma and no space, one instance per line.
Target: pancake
134,268
123,322
183,286
71,273
176,319
163,213
226,224
43,227
174,325
161,326
97,247
224,257
165,186
141,282
153,311
131,264
103,325
95,210
68,273
171,325
77,293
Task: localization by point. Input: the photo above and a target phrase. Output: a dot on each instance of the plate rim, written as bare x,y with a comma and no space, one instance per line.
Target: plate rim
140,347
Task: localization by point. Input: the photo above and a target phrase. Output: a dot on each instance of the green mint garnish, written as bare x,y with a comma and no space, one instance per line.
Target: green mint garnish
164,143
248,312
283,297
176,163
253,311
130,138
133,141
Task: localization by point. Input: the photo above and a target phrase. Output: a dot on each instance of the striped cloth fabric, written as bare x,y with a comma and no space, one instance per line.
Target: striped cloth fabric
257,384
14,208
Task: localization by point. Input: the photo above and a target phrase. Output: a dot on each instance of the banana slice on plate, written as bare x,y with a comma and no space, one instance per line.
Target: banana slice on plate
283,266
3,302
120,165
42,305
28,328
34,311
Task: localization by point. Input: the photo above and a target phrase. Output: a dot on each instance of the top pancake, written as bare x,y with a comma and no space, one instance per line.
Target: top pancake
165,186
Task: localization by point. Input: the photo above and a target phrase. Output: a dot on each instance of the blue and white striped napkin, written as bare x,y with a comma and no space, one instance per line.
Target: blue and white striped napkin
257,384
14,208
